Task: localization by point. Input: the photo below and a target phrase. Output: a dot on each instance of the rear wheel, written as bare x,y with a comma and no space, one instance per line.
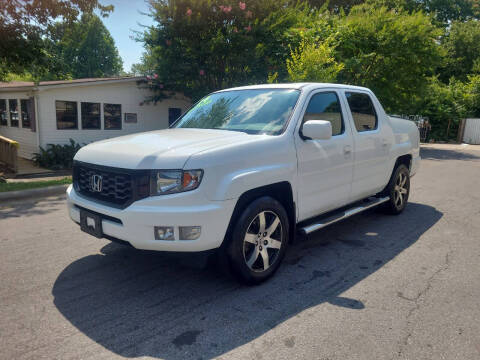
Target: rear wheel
398,190
259,241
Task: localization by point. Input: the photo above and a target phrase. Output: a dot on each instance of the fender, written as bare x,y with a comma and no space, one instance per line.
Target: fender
241,167
235,184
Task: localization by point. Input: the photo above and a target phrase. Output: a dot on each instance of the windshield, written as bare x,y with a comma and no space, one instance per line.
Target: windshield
259,111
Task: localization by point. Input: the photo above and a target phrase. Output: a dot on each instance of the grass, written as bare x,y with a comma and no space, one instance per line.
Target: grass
15,186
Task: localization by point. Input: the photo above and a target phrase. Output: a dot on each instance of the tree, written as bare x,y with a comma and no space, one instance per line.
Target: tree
448,10
444,11
313,62
444,105
391,52
462,45
335,5
23,25
472,96
204,45
86,48
146,66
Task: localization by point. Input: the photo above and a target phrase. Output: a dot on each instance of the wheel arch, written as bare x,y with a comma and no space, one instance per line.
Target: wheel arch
281,191
406,160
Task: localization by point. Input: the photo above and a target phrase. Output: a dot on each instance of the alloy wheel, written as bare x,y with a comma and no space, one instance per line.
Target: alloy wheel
400,191
263,241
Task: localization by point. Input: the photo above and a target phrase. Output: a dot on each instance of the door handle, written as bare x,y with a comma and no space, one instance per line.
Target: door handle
384,142
347,149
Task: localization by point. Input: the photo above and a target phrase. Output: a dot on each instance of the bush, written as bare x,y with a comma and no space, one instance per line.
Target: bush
444,105
57,157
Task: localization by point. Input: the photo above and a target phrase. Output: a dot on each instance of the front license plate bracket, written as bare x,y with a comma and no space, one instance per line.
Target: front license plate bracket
91,223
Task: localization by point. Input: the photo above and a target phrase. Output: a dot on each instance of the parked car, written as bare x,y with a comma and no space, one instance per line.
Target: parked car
245,169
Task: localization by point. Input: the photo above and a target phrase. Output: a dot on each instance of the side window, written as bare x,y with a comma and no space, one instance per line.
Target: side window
363,111
326,106
173,115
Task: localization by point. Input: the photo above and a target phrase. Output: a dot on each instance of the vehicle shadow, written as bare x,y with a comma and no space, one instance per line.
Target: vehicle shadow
444,154
137,303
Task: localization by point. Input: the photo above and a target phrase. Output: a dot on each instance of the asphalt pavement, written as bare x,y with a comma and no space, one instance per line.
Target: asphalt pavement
371,287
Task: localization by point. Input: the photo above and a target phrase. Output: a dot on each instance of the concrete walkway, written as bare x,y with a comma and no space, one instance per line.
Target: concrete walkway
28,167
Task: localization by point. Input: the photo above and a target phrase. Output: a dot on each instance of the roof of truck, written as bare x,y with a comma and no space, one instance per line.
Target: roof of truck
305,85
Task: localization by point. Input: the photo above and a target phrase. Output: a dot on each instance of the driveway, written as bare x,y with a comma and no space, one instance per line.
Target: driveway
371,287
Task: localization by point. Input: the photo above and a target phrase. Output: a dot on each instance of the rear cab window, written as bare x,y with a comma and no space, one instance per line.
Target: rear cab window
362,110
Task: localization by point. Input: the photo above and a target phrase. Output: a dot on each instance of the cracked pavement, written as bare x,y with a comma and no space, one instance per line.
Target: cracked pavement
371,287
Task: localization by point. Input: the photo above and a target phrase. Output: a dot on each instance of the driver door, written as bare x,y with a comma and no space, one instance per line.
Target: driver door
325,167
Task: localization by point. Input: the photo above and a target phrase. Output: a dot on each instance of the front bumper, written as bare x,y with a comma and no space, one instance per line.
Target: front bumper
415,165
139,219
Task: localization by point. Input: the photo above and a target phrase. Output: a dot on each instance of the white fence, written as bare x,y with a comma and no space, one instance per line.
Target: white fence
471,133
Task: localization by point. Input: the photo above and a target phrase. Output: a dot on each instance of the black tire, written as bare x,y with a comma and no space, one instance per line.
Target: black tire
398,189
267,245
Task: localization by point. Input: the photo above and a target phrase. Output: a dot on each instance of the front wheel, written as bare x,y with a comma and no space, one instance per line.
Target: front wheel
259,241
398,189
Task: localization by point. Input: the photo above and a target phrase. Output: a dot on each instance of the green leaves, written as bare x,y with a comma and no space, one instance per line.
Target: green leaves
57,156
24,35
85,48
205,45
313,61
389,51
401,49
462,44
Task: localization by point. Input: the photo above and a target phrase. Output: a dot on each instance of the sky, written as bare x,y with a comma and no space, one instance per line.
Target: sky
125,18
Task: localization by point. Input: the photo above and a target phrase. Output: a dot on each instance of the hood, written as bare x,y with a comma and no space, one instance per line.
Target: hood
161,149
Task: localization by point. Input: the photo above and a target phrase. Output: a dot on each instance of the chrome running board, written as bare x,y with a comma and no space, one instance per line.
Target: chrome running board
320,222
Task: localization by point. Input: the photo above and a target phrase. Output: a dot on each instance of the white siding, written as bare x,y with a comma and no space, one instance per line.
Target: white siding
26,138
471,134
149,117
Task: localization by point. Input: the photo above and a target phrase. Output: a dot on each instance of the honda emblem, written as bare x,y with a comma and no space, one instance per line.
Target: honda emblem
96,183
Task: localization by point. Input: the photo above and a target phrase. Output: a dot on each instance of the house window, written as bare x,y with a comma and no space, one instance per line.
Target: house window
173,115
112,115
90,115
13,105
25,117
67,117
3,112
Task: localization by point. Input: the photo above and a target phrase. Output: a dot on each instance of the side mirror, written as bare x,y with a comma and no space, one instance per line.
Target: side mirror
317,129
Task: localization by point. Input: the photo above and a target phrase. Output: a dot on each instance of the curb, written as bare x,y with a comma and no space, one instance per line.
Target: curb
31,193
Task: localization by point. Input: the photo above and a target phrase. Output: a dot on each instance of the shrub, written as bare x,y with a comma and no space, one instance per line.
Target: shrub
56,156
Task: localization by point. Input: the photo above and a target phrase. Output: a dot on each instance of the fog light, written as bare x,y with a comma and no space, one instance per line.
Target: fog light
190,232
164,233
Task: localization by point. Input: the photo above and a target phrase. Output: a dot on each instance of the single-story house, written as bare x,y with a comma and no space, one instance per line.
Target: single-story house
85,110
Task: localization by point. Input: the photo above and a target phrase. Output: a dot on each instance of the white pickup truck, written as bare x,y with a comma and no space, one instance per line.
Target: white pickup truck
244,170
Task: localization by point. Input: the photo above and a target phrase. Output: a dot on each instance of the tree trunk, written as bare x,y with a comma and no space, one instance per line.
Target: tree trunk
448,127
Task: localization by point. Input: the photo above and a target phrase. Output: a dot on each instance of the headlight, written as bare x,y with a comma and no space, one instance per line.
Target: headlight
164,182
